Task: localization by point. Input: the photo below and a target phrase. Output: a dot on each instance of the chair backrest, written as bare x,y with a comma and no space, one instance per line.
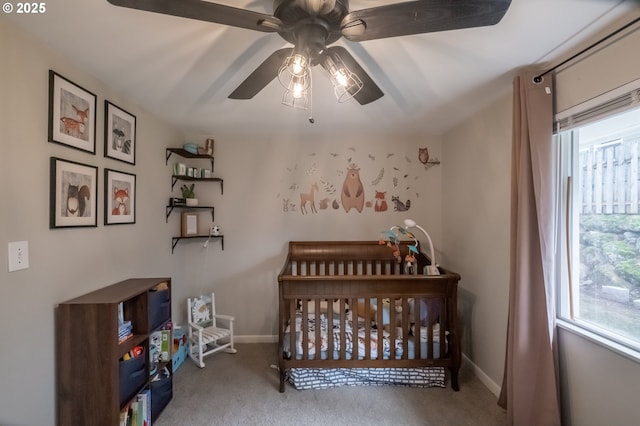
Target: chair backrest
202,309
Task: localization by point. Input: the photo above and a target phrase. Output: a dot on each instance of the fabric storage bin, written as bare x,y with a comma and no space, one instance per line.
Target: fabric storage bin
159,308
133,375
161,393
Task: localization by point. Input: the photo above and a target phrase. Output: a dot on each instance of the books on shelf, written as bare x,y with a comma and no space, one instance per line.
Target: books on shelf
125,330
138,411
160,344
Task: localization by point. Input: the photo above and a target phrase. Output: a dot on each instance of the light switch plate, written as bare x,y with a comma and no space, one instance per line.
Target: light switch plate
18,255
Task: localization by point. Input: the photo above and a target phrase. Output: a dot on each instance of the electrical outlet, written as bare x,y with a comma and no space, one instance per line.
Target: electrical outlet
18,255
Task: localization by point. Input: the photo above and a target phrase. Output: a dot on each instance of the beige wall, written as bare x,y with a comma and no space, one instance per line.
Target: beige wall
258,174
476,197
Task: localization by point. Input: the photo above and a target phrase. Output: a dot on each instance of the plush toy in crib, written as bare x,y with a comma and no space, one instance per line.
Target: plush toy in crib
373,309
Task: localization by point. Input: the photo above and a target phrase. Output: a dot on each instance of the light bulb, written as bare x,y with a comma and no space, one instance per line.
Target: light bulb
341,78
297,87
298,65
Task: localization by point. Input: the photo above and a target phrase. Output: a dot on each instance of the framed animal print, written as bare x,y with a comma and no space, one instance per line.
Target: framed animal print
73,194
72,114
119,197
119,134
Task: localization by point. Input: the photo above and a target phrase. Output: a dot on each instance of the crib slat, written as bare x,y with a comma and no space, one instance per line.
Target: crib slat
417,334
380,324
430,323
367,330
305,329
392,329
406,329
318,327
292,328
329,329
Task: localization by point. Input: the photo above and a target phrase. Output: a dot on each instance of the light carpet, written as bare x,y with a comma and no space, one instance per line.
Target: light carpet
242,389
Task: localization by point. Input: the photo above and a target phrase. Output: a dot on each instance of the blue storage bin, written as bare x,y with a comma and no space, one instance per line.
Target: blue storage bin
159,308
161,394
133,375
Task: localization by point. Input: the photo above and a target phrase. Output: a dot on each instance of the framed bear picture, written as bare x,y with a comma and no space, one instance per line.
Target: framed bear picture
73,194
119,197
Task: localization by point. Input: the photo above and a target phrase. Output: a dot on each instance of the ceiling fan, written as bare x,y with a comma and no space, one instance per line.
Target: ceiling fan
313,25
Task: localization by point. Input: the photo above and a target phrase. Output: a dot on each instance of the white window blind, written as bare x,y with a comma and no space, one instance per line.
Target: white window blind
613,102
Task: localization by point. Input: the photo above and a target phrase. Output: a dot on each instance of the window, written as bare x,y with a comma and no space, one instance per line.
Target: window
599,281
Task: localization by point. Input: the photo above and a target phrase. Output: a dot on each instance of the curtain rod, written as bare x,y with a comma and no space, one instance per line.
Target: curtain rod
538,78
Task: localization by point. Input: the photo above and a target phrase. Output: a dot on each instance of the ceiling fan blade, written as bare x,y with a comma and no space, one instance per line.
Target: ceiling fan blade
418,17
206,11
370,90
261,76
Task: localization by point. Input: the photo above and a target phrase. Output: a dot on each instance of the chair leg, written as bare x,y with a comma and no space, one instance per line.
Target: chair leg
231,349
197,358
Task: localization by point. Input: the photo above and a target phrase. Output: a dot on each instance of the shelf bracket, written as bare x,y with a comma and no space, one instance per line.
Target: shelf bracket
174,240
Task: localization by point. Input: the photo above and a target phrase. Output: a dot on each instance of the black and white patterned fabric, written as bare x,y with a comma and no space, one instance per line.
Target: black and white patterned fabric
321,378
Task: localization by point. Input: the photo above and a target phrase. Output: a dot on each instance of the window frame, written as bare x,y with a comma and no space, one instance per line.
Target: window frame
569,206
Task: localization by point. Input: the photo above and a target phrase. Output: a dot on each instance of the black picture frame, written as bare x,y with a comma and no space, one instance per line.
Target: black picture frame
72,114
119,133
73,199
119,197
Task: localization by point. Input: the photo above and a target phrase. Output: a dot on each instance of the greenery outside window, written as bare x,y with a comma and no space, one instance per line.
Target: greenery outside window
599,233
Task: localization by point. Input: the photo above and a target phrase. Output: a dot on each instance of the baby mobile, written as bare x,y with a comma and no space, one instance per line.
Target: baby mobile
393,242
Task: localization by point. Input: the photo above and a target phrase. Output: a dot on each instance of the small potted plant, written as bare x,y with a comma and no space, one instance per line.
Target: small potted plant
189,195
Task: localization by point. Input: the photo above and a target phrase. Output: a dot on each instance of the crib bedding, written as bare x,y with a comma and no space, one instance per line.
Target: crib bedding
374,337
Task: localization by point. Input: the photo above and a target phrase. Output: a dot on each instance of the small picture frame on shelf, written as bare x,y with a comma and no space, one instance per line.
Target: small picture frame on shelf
72,114
119,133
189,224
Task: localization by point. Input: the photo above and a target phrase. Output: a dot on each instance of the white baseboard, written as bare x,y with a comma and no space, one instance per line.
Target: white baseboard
486,380
256,339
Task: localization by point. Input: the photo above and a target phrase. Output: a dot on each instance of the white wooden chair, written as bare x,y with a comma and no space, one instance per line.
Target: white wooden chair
207,331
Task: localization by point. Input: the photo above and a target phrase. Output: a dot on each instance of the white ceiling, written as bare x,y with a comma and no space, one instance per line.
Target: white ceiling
182,70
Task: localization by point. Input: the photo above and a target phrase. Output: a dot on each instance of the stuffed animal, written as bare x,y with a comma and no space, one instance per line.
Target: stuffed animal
373,310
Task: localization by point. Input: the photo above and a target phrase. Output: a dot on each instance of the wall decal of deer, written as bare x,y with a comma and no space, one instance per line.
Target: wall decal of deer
309,197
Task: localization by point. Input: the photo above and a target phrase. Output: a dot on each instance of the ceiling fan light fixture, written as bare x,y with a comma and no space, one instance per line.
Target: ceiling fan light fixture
293,67
297,64
298,91
345,83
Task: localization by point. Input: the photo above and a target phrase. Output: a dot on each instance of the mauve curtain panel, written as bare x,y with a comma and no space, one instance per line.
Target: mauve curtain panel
529,389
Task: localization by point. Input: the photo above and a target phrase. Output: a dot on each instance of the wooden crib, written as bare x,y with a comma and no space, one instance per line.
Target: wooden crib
347,281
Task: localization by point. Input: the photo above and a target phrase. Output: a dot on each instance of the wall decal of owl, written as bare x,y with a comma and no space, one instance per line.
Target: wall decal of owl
423,155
